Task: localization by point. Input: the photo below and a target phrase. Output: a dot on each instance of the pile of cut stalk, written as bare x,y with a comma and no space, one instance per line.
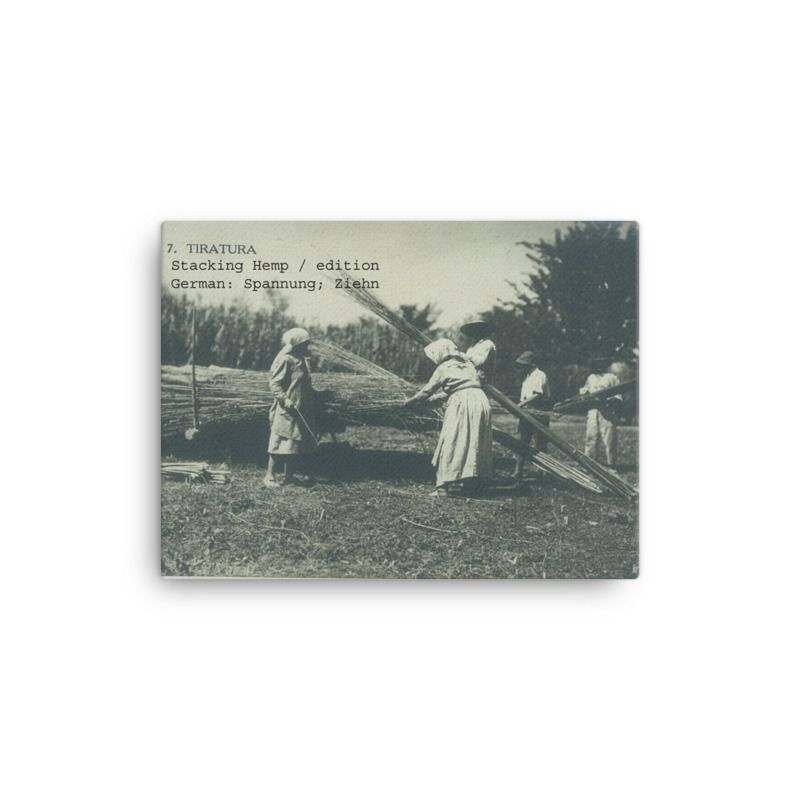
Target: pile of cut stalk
194,471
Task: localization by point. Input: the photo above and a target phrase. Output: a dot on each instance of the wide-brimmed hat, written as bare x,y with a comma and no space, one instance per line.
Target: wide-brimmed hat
477,324
527,359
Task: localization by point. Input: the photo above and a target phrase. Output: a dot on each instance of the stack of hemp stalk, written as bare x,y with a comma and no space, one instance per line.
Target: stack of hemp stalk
599,473
238,395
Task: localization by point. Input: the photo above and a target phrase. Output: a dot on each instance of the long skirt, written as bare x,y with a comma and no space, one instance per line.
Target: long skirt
283,446
464,449
287,437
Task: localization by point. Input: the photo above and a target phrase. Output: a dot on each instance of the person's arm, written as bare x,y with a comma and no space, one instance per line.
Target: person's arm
278,378
531,391
537,388
532,398
415,398
614,381
481,354
428,389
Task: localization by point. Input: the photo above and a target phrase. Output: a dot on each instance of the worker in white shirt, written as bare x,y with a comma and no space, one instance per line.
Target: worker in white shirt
600,421
481,351
535,394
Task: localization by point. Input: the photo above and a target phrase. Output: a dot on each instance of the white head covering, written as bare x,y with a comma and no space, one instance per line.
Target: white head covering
439,350
294,337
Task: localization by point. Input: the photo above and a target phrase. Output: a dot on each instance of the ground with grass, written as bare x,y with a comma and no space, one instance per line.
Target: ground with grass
368,515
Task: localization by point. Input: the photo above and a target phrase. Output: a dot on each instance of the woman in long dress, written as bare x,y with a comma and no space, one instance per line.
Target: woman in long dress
290,416
463,455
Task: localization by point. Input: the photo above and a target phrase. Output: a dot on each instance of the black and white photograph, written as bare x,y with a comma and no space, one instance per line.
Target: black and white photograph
396,400
400,399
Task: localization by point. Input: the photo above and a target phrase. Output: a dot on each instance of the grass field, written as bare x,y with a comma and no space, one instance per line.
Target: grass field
368,515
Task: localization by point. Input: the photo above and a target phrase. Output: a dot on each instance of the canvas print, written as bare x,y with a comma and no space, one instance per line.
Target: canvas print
399,399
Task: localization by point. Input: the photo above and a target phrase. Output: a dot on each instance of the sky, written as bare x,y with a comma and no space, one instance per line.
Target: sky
461,267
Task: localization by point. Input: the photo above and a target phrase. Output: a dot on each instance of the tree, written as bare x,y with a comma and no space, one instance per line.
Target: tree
580,299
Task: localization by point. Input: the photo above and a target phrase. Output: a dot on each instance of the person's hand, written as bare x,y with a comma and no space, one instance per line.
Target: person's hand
289,404
584,391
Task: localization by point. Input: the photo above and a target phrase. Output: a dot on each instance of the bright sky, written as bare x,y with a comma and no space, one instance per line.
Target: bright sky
462,267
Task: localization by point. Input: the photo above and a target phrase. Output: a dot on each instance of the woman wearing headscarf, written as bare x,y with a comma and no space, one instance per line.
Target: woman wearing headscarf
463,455
290,434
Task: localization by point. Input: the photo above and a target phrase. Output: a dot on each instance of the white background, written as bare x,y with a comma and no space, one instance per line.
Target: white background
119,684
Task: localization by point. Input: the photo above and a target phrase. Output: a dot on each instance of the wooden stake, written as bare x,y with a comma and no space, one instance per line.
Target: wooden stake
195,415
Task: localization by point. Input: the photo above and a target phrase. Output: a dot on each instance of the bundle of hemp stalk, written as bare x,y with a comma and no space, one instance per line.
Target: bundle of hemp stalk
191,471
237,395
581,403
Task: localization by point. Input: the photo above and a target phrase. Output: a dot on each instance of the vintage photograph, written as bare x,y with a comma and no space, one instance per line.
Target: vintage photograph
399,399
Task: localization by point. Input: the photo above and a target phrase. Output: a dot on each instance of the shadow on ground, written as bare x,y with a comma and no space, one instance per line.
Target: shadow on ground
334,462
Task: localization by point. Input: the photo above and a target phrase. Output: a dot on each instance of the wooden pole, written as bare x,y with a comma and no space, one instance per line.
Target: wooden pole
549,464
580,402
192,343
